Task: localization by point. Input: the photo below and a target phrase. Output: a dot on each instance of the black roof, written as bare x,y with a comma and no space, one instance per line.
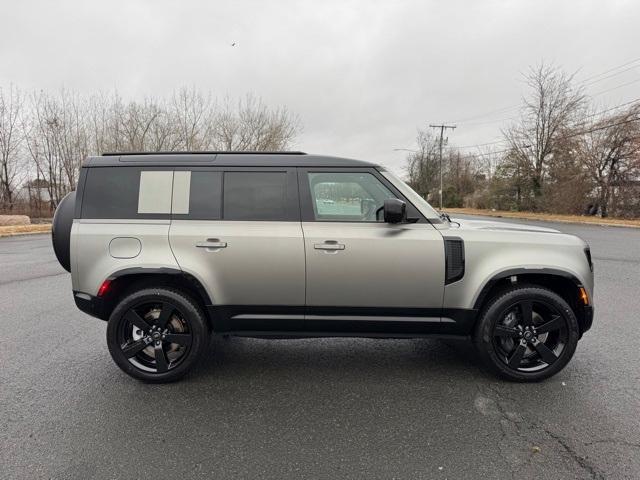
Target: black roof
221,159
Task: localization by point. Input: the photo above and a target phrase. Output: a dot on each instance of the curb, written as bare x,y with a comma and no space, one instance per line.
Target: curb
17,234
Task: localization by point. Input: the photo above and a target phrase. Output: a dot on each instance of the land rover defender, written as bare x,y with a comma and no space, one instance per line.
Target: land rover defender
170,248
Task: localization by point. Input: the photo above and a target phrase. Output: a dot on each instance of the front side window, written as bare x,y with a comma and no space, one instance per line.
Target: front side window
347,196
260,196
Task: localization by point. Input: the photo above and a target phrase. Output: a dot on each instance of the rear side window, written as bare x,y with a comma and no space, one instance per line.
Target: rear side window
205,196
255,196
126,193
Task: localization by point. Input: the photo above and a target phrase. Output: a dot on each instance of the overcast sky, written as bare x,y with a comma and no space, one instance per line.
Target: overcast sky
362,75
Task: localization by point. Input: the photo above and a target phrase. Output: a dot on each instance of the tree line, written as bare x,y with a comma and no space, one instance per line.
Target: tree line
561,155
45,136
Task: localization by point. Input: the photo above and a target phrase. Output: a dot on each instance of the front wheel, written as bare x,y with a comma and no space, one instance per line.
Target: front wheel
526,334
156,335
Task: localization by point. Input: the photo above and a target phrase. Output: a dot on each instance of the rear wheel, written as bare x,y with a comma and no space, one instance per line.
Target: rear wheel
527,334
157,335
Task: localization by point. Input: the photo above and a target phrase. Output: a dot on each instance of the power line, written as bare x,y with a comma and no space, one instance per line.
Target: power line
584,83
615,88
499,110
497,142
500,120
602,127
636,100
583,132
610,76
479,144
487,122
612,69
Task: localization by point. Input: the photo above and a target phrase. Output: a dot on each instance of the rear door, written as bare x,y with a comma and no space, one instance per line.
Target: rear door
238,231
358,267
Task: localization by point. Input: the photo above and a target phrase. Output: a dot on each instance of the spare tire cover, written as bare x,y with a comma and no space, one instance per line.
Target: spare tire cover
61,230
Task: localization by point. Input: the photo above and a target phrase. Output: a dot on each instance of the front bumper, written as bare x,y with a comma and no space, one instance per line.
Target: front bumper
587,319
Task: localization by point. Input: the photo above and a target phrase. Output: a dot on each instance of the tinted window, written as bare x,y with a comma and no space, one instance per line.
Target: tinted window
205,198
114,192
255,196
347,196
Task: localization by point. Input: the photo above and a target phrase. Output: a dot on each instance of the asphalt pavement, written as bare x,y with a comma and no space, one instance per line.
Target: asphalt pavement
320,408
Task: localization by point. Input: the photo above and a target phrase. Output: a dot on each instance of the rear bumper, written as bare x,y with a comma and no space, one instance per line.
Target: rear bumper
90,305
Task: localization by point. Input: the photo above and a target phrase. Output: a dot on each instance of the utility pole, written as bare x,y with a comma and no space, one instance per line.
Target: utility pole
442,128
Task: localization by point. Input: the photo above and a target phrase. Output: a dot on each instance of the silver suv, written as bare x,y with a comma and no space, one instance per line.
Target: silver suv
170,248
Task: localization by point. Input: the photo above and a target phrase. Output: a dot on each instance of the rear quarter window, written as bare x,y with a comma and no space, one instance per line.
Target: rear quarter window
127,193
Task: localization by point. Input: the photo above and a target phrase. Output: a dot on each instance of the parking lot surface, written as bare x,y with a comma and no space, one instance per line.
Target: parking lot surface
320,408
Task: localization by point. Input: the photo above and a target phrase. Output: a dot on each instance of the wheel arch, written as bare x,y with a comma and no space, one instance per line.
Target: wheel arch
122,282
562,282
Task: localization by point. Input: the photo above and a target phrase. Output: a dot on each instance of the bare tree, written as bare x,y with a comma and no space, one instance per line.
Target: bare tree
610,151
554,106
11,139
55,132
463,176
251,125
423,164
192,114
57,140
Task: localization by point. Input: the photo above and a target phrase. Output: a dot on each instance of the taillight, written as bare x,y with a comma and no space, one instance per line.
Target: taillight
104,288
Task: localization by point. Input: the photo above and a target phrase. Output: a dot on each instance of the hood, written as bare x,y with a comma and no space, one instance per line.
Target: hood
465,224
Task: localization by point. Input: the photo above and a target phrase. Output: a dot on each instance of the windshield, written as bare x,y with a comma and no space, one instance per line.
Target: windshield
419,202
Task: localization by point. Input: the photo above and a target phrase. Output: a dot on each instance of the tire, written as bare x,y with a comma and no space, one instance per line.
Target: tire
157,335
61,230
526,334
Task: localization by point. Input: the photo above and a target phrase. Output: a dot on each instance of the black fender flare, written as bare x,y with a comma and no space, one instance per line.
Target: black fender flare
521,271
136,271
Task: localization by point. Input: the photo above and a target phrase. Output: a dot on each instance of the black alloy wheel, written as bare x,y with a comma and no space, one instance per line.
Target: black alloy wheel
156,335
527,333
530,335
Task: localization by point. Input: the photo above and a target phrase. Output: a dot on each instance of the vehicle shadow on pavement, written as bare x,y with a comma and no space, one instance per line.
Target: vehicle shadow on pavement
329,358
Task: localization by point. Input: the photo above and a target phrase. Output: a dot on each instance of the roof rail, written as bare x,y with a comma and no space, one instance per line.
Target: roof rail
221,152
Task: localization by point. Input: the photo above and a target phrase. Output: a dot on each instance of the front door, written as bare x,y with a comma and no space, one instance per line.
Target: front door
358,267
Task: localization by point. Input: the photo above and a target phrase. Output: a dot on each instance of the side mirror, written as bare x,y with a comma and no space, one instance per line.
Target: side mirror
395,211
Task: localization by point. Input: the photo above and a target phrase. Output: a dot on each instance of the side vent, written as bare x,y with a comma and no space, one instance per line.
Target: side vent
453,259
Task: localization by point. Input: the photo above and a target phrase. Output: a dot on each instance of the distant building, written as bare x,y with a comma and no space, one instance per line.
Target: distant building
34,191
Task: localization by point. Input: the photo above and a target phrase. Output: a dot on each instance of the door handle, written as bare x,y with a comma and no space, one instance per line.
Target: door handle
329,245
212,243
